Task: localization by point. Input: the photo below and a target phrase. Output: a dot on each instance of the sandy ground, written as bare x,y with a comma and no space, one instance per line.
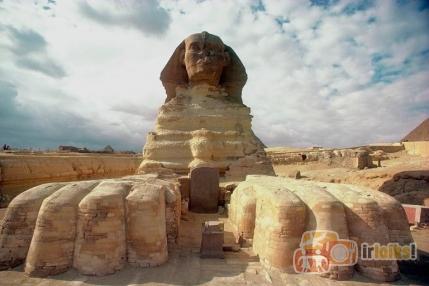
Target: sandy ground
373,177
185,267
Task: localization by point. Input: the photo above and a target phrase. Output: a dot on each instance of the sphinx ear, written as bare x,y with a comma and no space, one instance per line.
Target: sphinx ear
227,58
234,75
174,72
182,57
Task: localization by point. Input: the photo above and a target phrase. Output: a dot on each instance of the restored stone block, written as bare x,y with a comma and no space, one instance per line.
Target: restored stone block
242,211
18,224
212,240
204,189
185,186
100,246
146,228
279,224
55,232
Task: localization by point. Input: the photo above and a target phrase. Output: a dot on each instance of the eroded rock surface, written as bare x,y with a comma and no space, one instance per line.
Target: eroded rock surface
274,213
21,172
94,226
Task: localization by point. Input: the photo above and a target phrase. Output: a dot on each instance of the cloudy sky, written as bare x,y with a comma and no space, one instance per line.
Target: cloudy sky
327,73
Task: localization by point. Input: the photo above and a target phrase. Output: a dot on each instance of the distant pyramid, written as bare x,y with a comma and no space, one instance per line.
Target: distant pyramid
420,133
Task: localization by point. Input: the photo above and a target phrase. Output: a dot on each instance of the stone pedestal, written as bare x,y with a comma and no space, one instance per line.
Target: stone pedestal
204,190
212,240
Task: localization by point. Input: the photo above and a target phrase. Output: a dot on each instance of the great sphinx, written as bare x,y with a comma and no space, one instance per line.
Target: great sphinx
204,120
98,226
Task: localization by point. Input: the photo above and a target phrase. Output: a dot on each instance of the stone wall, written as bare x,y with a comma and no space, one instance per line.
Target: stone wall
350,158
21,172
417,148
386,147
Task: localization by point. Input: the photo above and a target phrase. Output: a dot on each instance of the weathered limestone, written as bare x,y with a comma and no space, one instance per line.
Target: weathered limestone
279,224
204,121
417,141
324,212
18,224
392,213
242,210
350,158
92,226
146,231
281,209
212,240
185,187
100,241
366,224
204,190
21,172
51,248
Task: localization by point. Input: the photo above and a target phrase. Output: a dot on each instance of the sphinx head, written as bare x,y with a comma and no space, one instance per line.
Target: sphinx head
203,58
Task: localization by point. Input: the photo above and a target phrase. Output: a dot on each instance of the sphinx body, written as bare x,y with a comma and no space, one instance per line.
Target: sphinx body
200,126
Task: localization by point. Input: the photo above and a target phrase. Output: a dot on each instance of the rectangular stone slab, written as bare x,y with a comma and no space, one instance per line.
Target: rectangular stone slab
212,240
204,190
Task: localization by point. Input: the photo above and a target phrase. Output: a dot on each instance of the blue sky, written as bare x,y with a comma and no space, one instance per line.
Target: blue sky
326,73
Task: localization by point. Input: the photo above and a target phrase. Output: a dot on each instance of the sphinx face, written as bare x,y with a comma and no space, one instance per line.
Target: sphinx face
204,58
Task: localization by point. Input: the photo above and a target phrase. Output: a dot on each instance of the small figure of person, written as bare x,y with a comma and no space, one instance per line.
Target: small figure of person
241,240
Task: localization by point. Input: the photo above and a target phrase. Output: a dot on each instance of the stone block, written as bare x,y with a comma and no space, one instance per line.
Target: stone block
279,224
242,211
52,245
212,240
146,228
185,186
18,224
100,246
204,190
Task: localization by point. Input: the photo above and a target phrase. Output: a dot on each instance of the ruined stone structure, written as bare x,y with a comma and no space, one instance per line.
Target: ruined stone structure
350,158
93,226
21,172
204,121
273,213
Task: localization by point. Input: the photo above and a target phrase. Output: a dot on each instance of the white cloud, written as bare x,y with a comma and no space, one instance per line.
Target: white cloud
317,75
